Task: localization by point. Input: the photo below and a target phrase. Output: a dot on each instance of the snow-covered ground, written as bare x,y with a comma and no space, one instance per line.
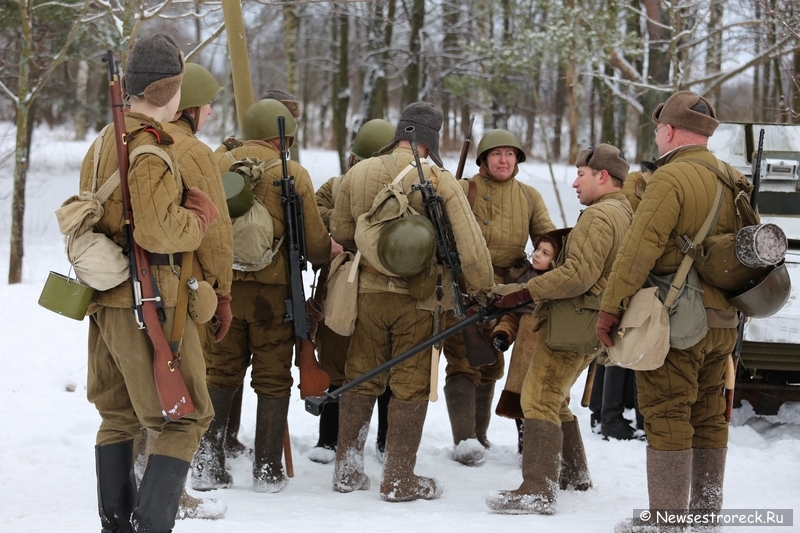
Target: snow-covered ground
47,475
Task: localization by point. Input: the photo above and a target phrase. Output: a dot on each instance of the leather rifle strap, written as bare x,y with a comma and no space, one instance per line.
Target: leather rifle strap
181,308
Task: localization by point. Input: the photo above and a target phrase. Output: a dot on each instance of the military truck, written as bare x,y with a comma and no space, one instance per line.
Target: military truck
769,366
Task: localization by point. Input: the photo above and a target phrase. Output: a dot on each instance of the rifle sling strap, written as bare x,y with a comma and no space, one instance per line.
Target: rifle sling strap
179,321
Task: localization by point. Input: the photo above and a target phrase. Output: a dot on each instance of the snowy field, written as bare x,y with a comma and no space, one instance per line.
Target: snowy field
47,473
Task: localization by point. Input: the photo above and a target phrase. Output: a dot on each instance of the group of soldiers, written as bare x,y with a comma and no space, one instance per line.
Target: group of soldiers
603,258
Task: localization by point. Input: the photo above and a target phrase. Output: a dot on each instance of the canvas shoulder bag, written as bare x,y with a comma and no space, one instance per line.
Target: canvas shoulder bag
667,311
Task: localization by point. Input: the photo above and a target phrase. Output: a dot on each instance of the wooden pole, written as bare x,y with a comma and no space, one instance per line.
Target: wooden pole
240,60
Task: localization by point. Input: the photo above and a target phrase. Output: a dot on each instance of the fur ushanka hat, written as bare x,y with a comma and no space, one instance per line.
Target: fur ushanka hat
604,157
687,111
154,70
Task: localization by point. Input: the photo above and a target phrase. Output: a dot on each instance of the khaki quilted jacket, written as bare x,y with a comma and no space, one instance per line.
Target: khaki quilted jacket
363,182
318,242
679,196
508,213
199,168
161,225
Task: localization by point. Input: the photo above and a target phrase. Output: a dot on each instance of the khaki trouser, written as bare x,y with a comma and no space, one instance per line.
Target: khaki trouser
388,324
683,402
457,363
550,376
258,335
332,353
121,386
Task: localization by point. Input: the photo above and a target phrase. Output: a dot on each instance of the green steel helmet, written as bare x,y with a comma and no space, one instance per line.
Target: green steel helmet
373,135
406,245
261,121
496,138
198,88
768,297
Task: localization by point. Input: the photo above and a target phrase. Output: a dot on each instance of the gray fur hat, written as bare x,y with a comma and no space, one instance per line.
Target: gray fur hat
286,98
426,119
687,111
604,157
154,70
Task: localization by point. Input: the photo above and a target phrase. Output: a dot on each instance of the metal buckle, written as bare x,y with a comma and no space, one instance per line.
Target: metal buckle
688,245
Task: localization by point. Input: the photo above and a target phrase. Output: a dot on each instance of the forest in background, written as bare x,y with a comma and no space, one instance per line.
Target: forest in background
560,74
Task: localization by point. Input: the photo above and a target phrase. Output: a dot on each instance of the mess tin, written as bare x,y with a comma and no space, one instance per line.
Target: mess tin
238,195
66,296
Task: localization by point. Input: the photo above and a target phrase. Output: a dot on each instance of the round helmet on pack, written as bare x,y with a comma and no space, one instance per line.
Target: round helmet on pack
373,135
768,297
261,121
496,138
406,245
198,88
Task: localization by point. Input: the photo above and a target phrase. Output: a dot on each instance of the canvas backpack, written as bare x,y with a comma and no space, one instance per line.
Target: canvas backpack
389,204
98,261
253,233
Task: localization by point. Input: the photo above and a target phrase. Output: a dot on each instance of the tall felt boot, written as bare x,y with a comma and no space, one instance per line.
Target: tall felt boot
520,423
355,412
208,465
484,394
268,473
541,463
669,478
574,468
116,486
159,494
233,447
398,481
708,473
596,398
325,450
383,423
459,394
613,424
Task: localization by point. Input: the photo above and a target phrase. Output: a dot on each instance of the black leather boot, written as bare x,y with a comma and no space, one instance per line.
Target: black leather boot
383,422
159,494
596,398
116,486
613,424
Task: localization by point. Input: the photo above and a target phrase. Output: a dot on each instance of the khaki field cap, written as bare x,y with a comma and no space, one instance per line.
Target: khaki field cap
604,157
427,121
687,111
154,69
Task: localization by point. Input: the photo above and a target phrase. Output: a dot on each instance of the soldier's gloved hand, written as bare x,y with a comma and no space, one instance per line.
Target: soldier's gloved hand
514,298
605,323
201,205
500,341
222,316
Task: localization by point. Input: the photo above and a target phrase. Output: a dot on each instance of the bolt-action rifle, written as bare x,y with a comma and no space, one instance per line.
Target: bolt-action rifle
148,306
462,160
478,350
730,382
313,379
315,404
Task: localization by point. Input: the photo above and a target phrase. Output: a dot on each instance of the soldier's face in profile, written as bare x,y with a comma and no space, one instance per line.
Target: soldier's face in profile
202,114
501,162
586,184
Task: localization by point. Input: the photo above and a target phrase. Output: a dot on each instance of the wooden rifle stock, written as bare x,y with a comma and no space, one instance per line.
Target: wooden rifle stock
314,381
587,388
148,307
465,150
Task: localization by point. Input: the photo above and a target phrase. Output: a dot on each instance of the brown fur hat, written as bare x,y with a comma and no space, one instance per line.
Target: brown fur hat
427,120
286,98
604,157
687,111
154,70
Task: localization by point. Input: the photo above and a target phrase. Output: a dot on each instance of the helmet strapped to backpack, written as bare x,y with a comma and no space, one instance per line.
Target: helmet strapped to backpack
261,121
768,296
497,138
406,245
198,88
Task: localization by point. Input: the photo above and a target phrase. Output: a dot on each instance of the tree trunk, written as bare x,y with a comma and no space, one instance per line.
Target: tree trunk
714,54
607,110
558,112
413,69
81,91
341,91
291,31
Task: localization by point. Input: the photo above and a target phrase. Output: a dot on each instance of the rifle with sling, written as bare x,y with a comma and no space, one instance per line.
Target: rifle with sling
730,380
315,404
465,150
478,351
148,306
313,379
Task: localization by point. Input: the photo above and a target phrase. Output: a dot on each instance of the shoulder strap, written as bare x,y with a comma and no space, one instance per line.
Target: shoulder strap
722,173
230,157
702,233
473,192
388,163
